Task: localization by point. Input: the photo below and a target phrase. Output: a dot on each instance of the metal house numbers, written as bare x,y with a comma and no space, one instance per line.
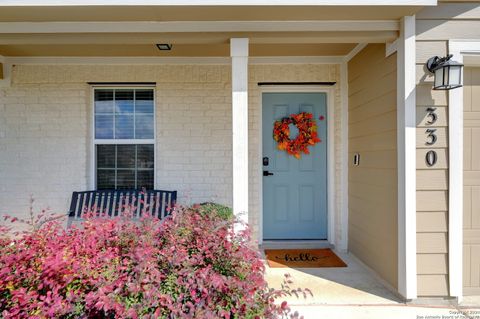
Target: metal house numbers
431,156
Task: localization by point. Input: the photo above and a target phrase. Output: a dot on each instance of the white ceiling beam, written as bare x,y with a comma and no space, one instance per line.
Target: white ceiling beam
193,38
167,60
355,51
218,2
391,48
197,26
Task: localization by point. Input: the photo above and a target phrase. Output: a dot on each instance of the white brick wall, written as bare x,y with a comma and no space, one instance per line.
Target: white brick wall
45,123
43,145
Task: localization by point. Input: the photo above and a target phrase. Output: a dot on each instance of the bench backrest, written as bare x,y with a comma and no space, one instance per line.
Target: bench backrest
112,203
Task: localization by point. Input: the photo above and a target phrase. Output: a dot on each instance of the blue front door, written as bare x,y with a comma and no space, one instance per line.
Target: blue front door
295,196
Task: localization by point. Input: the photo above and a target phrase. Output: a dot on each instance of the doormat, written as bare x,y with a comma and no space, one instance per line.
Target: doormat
303,258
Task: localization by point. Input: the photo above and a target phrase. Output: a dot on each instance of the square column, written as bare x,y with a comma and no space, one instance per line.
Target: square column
239,54
406,150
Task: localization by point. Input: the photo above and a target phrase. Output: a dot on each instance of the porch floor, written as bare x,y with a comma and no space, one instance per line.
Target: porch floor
354,292
347,285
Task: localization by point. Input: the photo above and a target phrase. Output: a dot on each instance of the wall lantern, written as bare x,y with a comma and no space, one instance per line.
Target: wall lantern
447,73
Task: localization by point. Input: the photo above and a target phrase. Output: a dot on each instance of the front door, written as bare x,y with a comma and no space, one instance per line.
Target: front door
295,196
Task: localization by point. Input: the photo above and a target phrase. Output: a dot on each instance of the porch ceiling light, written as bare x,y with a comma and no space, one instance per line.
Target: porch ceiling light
447,73
164,46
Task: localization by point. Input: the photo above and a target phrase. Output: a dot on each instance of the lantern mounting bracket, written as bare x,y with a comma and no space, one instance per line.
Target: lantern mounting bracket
436,61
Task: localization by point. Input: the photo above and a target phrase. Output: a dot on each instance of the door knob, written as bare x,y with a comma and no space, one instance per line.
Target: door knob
267,173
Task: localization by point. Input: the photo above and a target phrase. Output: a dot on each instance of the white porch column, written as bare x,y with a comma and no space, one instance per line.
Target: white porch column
239,54
406,126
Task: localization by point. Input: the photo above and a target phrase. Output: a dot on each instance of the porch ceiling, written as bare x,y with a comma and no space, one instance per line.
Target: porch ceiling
201,31
39,39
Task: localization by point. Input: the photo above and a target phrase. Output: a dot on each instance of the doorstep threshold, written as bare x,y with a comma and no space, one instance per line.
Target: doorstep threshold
295,244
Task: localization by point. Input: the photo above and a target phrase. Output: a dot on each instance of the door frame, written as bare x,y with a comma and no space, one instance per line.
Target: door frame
329,91
467,52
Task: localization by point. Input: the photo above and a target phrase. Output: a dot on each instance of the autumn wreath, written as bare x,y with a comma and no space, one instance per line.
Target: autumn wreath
307,134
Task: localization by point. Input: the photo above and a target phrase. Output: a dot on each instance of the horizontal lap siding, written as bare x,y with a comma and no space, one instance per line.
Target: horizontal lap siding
435,26
373,184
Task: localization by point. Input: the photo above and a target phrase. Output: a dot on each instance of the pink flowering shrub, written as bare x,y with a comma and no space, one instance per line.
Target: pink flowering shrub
193,265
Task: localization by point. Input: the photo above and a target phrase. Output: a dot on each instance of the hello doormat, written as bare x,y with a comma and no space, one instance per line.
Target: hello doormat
303,258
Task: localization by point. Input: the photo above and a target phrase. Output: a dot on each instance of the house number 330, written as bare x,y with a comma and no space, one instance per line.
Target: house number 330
431,156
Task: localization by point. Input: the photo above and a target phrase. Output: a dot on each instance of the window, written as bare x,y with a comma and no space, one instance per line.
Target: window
124,138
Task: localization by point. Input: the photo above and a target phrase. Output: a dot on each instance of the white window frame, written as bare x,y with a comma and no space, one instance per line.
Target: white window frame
94,141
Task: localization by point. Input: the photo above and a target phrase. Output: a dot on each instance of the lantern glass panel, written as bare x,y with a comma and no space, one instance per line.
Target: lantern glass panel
455,75
438,78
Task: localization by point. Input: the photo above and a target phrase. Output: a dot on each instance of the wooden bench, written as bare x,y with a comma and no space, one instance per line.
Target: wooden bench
113,203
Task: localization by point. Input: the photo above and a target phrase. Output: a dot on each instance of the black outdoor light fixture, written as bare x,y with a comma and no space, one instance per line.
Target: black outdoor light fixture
447,73
164,46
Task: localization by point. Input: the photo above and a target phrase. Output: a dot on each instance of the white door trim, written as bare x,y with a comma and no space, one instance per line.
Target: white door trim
330,152
459,49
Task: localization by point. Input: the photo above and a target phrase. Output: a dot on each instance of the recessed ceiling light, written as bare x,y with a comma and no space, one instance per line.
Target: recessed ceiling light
164,46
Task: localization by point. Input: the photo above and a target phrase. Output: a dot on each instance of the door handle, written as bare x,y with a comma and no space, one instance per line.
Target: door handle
267,173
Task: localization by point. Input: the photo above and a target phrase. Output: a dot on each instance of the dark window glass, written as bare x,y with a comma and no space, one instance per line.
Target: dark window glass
145,156
106,156
126,156
125,166
145,179
125,179
106,179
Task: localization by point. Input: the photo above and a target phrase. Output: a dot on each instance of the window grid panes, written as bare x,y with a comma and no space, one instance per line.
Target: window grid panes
124,114
125,166
124,126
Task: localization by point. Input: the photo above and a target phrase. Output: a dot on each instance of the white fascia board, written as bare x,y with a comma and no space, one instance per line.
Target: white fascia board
197,26
169,60
217,3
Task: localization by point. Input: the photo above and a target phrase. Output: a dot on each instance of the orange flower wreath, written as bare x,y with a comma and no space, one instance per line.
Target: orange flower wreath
307,134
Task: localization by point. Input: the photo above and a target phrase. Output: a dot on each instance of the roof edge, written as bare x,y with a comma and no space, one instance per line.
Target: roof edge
62,3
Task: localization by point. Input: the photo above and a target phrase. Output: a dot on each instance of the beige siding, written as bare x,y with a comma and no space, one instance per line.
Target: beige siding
448,21
373,184
471,196
435,26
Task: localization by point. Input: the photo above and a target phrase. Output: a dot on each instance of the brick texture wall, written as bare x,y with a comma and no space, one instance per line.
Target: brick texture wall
45,127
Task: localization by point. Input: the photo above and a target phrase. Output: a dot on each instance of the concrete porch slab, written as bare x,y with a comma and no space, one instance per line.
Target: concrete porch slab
355,292
349,285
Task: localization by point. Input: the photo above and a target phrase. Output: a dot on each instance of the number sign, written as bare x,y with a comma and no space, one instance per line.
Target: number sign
431,157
